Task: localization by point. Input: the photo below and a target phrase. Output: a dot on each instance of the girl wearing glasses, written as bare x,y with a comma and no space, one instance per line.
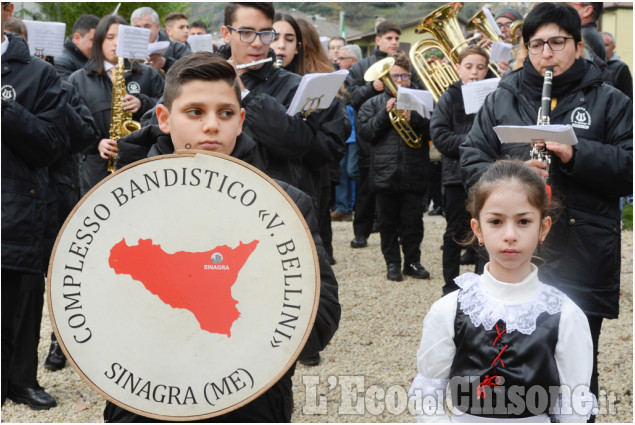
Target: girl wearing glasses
582,254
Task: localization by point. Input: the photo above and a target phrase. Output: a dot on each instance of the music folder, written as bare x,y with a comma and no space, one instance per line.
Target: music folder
201,42
415,100
558,133
474,93
132,42
45,38
316,91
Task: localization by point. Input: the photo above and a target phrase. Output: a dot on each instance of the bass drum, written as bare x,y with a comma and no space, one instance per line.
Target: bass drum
183,286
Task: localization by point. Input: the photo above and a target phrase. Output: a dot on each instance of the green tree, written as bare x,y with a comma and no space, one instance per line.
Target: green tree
68,12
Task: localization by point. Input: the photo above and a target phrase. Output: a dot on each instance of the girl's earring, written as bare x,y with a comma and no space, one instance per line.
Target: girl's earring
480,242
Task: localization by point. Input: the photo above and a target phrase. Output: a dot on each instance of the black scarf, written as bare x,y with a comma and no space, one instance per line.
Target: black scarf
564,83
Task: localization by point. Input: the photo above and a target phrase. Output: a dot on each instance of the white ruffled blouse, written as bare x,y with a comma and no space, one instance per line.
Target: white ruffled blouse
486,301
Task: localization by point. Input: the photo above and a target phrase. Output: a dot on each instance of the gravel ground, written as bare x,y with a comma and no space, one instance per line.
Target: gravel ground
367,369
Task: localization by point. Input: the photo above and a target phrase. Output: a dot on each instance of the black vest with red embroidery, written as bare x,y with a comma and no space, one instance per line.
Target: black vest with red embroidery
504,375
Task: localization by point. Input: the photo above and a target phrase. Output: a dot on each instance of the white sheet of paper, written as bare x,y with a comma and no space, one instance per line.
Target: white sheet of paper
201,42
500,51
158,47
491,20
314,88
415,100
45,38
558,133
474,93
132,42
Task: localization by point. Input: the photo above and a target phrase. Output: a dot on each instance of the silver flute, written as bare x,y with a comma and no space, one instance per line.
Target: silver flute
254,63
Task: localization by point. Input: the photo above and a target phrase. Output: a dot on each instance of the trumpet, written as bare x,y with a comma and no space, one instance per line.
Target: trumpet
253,63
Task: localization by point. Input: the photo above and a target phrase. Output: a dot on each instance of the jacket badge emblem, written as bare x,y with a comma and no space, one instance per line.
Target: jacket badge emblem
133,88
8,93
580,118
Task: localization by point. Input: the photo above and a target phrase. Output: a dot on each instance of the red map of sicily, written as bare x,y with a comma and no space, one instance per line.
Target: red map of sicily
200,282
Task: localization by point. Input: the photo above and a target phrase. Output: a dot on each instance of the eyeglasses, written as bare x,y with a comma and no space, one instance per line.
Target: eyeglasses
402,76
342,59
501,25
334,47
248,36
556,44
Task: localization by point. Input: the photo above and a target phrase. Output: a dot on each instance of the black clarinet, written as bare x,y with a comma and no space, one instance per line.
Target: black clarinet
538,151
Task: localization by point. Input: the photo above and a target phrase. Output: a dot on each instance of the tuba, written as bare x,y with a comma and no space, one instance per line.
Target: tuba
481,24
121,123
444,34
381,71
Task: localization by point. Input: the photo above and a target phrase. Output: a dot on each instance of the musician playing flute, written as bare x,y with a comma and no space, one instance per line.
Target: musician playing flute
266,91
582,253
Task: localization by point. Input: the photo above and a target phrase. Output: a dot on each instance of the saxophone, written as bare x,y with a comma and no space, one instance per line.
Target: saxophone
121,123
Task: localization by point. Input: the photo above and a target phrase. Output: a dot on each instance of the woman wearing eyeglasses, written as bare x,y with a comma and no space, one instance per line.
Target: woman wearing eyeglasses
582,253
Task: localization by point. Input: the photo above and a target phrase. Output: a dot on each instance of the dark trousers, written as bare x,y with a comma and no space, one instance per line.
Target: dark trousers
595,324
10,296
324,219
457,228
400,217
22,302
364,206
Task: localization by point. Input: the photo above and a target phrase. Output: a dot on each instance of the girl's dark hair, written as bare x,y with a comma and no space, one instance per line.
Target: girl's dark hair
203,66
561,14
315,57
97,54
298,64
473,49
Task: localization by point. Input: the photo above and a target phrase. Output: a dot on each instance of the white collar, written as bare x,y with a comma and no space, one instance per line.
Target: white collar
486,301
512,293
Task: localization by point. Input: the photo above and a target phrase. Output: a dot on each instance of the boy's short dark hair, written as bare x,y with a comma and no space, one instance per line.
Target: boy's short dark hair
199,24
84,24
561,14
386,27
173,17
204,66
473,49
265,7
401,60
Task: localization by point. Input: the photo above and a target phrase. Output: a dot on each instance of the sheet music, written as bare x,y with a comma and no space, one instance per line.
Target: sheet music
158,48
201,42
558,133
314,89
415,100
132,42
491,20
500,51
46,38
474,93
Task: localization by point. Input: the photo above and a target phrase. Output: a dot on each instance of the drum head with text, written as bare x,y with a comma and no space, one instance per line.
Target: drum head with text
183,286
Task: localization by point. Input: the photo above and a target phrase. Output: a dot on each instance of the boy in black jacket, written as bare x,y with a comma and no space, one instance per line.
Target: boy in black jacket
449,126
202,111
397,177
